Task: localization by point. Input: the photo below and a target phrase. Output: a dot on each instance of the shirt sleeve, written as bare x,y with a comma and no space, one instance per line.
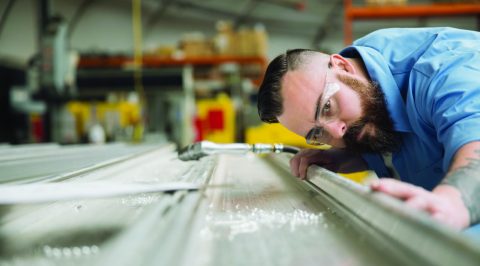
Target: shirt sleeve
453,103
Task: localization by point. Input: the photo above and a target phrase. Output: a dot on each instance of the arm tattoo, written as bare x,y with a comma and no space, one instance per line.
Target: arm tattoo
467,180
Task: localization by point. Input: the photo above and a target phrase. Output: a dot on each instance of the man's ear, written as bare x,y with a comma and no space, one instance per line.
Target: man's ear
339,62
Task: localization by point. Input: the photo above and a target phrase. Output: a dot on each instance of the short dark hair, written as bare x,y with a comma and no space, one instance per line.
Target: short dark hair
269,97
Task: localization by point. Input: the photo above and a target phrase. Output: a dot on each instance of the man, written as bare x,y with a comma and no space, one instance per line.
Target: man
403,102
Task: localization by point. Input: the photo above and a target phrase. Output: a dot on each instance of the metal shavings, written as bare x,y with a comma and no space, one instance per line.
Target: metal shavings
232,224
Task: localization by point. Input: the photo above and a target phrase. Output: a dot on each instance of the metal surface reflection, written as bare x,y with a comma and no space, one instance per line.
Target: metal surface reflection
246,210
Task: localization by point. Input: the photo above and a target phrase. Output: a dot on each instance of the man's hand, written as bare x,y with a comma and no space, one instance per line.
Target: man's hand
336,160
444,203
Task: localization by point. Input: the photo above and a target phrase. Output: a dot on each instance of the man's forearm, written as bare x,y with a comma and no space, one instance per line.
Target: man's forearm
465,176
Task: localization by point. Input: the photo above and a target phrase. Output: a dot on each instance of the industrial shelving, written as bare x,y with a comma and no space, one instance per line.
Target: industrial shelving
156,61
160,62
168,82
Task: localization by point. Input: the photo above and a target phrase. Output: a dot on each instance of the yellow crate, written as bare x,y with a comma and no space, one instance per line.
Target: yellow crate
216,119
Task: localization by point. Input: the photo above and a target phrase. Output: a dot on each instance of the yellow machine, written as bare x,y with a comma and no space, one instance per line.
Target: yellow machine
113,117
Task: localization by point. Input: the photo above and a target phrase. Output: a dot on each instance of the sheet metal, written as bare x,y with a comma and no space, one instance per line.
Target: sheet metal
32,163
411,232
249,211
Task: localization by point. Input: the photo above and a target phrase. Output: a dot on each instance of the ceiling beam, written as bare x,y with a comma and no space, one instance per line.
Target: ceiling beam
326,25
4,14
245,15
157,14
77,15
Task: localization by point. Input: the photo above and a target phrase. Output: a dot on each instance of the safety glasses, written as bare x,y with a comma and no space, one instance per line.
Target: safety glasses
324,113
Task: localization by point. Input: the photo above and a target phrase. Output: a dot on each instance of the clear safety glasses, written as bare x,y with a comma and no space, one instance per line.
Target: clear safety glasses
324,113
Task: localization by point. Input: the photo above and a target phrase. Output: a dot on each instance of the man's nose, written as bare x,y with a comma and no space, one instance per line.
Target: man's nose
335,128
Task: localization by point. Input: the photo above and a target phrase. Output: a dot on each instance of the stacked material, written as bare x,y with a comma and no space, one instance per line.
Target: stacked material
140,205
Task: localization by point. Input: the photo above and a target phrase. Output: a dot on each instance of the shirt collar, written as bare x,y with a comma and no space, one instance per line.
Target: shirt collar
379,72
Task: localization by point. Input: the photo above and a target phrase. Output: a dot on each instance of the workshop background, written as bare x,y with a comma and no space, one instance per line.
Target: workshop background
98,97
79,71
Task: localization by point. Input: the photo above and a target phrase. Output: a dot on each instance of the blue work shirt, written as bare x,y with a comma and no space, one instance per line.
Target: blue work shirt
431,81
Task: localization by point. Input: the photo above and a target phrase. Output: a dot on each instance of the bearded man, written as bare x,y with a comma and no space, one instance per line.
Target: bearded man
402,102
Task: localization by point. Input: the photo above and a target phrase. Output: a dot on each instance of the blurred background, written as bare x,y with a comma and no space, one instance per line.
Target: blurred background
97,71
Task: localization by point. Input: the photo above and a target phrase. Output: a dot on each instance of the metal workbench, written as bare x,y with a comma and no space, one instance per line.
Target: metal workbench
239,210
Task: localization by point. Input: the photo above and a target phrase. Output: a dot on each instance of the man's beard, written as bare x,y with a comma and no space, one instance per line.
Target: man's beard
380,137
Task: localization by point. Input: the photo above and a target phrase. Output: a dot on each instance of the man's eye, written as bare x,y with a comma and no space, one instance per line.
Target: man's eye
326,109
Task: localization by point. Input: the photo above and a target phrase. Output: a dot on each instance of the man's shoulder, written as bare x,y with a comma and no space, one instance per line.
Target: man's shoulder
417,33
408,38
426,50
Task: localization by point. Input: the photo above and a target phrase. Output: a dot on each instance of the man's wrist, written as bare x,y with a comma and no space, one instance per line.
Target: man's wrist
467,185
455,197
